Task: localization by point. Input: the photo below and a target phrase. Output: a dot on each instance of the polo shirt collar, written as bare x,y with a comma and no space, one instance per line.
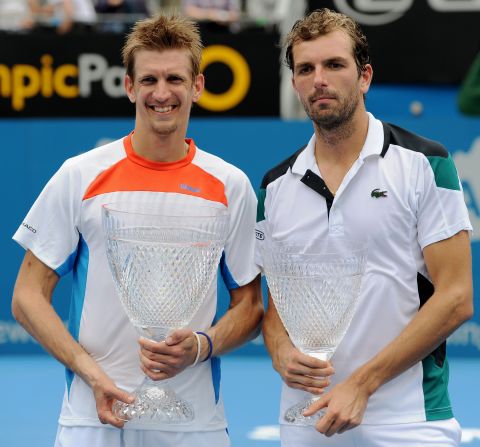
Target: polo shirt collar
373,146
306,159
374,142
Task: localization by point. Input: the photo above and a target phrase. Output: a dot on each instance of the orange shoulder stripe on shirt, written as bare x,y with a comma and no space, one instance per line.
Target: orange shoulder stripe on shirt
181,177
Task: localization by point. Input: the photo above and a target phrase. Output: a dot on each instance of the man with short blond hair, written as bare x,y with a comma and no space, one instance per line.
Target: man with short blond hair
63,232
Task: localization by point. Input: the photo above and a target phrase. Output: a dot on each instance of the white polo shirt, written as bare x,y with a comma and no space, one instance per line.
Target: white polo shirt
401,194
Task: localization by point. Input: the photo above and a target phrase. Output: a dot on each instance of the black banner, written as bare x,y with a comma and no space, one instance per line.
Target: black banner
416,41
81,75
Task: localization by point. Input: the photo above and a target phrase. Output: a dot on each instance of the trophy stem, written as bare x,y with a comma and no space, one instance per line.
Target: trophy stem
294,414
155,400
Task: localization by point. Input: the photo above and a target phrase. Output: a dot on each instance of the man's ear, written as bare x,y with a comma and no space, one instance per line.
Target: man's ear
366,75
128,83
198,87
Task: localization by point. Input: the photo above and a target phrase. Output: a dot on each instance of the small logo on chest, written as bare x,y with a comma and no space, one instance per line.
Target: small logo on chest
189,188
376,193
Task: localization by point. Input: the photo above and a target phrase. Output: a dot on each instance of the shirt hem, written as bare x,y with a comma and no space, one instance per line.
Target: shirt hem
88,422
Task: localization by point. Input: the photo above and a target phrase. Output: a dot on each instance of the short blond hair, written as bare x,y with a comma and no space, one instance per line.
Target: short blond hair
163,33
321,22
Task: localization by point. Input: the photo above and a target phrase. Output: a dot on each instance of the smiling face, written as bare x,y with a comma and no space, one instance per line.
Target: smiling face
163,91
326,79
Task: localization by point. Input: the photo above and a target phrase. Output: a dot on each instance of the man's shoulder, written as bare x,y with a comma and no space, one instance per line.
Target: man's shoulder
281,168
99,154
398,136
216,165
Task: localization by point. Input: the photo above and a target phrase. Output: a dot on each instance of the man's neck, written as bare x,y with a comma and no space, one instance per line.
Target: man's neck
159,148
337,150
343,144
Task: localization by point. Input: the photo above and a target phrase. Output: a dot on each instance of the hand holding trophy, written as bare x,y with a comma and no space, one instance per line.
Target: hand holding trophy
163,260
314,286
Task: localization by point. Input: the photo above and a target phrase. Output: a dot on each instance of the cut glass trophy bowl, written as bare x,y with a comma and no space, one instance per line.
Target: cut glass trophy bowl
315,287
163,260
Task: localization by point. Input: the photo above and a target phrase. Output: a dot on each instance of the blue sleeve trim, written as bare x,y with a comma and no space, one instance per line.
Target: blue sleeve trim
80,270
67,266
226,275
216,376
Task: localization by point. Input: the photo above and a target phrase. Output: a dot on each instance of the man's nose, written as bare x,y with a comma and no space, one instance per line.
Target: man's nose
161,92
320,79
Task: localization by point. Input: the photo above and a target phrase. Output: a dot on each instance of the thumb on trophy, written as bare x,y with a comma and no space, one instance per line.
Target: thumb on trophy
177,336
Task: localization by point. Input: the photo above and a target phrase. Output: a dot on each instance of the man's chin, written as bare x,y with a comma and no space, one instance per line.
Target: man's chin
165,131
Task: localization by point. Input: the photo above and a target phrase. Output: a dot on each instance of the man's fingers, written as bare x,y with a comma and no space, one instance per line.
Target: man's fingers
312,362
123,396
316,406
177,336
306,380
106,417
150,345
156,374
296,368
308,389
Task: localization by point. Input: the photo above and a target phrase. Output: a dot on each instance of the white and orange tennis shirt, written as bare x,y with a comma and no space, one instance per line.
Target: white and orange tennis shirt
64,230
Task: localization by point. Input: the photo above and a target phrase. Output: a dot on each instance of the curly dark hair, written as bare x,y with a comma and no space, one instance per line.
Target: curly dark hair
324,21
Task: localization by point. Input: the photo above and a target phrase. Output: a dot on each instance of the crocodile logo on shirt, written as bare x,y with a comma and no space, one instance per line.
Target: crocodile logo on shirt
377,193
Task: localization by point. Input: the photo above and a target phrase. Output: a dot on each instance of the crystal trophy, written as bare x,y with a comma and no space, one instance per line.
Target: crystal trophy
163,259
315,287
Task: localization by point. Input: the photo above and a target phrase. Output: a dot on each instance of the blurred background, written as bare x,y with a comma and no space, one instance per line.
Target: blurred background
61,93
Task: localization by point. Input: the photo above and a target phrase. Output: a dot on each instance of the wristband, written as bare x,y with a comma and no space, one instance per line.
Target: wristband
210,346
198,350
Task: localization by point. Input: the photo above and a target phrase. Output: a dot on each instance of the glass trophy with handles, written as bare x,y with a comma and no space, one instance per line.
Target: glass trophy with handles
163,259
315,287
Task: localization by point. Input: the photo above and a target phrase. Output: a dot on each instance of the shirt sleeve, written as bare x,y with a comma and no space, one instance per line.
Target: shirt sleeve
237,264
441,209
50,229
260,226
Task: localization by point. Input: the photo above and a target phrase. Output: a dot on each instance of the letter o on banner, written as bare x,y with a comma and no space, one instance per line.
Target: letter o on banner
219,102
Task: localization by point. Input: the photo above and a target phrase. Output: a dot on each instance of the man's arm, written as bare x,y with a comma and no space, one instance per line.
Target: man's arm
239,324
297,370
449,265
31,306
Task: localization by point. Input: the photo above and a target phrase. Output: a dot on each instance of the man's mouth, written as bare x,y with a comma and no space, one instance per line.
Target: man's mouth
321,98
164,109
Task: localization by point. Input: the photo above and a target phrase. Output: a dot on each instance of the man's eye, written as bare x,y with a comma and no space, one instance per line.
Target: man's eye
304,70
335,65
147,80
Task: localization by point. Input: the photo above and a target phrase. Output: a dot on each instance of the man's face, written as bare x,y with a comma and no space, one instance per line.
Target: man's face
163,91
326,79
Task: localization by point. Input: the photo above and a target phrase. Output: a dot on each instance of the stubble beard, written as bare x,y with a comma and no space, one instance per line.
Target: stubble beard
336,119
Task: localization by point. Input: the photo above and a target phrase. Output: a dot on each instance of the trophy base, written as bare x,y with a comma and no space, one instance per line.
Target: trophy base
158,404
294,415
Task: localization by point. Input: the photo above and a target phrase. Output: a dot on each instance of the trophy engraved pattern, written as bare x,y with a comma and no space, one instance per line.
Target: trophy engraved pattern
315,288
163,266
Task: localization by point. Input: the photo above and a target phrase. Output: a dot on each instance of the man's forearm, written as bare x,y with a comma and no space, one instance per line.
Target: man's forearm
31,306
274,334
435,321
240,323
42,322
